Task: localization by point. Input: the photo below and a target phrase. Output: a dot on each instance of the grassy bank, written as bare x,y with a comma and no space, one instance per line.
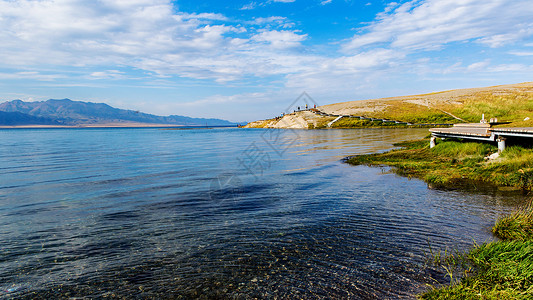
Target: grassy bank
454,164
497,270
347,123
357,123
502,269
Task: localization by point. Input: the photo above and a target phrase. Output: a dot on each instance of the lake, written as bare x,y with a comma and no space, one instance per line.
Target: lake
223,213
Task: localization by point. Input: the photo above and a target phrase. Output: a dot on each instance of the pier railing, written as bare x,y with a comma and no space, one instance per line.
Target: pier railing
482,132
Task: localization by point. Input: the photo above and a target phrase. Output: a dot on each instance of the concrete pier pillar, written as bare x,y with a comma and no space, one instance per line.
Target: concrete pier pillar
501,144
432,142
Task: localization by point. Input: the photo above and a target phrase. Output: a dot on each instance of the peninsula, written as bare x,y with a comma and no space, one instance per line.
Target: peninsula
507,103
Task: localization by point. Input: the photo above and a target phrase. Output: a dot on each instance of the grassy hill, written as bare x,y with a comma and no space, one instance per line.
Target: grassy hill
508,103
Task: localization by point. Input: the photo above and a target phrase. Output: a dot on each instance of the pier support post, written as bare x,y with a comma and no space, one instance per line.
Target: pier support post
501,144
432,141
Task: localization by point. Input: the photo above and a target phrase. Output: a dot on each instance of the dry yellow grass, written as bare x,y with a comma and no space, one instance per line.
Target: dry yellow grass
509,103
512,103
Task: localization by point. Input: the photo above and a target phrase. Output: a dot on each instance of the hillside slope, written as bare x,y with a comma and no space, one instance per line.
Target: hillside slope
509,103
68,112
18,118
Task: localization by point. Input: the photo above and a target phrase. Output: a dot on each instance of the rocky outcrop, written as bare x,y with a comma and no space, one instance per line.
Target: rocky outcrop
297,120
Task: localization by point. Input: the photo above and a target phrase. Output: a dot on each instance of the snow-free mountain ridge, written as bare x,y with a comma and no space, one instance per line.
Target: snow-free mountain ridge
72,113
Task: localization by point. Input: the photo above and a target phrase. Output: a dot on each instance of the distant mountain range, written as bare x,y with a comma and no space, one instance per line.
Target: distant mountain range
73,113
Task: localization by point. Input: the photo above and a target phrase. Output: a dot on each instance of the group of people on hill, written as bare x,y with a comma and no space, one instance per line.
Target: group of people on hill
306,107
297,109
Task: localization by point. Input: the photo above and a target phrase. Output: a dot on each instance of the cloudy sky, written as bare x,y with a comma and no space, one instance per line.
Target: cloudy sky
249,59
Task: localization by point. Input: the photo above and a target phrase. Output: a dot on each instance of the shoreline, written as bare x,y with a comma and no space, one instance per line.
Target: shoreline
109,125
497,270
455,164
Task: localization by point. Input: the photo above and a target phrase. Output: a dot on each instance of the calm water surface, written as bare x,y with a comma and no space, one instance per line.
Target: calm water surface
222,213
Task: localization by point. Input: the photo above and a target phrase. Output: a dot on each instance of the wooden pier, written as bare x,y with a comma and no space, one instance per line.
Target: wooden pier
482,132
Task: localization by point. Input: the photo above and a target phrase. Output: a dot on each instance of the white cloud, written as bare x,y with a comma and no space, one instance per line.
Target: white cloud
205,16
499,40
32,75
345,73
280,39
249,6
148,35
254,5
109,74
155,38
269,20
521,53
274,21
431,24
511,68
482,65
152,36
325,2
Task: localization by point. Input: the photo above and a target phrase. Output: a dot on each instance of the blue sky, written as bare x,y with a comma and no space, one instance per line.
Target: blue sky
247,60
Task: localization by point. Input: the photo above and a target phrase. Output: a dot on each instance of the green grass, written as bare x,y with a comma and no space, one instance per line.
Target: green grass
497,270
518,226
457,164
320,123
357,123
502,269
510,106
413,113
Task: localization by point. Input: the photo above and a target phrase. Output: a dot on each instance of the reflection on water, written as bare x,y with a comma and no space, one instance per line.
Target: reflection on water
168,214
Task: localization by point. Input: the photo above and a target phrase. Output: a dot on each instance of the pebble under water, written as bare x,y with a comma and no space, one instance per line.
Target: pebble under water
223,213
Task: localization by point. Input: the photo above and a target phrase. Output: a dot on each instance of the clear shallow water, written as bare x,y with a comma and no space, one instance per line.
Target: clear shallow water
222,213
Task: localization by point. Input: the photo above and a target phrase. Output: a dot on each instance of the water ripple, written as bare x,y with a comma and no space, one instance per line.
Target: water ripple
146,213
